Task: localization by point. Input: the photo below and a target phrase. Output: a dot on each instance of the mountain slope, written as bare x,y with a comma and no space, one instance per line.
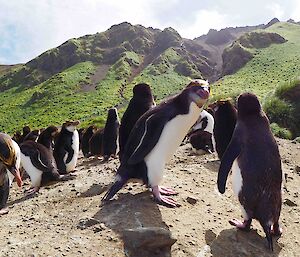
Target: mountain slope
84,77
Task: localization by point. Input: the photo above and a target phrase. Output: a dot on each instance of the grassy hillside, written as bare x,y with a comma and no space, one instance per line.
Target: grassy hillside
270,66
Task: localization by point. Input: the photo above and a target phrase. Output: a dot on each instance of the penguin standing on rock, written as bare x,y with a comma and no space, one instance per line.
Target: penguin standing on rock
254,158
141,102
155,138
66,147
110,134
39,163
7,162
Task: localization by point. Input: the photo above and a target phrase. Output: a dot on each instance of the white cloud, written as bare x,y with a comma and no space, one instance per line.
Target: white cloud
276,10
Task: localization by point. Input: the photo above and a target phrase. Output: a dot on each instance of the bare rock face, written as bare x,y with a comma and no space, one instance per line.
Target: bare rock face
148,241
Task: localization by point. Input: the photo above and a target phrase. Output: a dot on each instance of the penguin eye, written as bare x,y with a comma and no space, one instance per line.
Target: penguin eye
206,88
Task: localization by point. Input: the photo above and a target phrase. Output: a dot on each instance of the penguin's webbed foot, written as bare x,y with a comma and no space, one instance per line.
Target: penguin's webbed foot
245,225
4,211
166,191
32,191
164,200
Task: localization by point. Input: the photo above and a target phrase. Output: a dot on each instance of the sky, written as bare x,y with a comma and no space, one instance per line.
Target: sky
30,27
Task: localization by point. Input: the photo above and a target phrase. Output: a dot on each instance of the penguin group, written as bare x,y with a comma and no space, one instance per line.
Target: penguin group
146,138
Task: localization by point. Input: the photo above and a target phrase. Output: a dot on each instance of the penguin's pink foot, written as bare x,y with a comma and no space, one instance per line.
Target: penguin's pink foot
164,200
166,191
4,211
276,230
245,225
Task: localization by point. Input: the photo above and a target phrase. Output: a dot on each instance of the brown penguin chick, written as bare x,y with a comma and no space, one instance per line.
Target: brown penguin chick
254,158
86,136
95,143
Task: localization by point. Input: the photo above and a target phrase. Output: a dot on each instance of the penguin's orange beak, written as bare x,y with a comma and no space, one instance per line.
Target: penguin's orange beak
203,92
17,175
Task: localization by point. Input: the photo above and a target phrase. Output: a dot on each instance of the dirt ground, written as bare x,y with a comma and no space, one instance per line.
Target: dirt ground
66,219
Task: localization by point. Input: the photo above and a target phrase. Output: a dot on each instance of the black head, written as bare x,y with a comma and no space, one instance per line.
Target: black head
198,91
51,130
142,90
26,130
248,104
113,114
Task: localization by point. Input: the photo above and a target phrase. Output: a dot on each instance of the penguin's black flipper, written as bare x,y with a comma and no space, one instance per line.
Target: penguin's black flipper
145,135
232,152
113,190
38,153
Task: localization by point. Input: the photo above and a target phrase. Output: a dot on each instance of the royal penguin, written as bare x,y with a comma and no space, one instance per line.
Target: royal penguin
85,141
25,131
47,136
110,134
95,143
225,115
201,134
18,161
155,138
66,148
7,163
32,135
254,158
141,101
39,164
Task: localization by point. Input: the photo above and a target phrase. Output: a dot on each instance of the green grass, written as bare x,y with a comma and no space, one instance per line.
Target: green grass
270,66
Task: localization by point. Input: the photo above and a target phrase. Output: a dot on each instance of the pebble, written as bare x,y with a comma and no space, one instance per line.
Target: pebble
192,200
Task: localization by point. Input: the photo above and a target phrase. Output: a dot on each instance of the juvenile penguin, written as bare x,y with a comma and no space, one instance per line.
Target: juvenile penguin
26,130
201,136
141,102
7,162
39,163
32,135
110,134
155,137
225,115
95,143
46,138
86,136
66,148
254,158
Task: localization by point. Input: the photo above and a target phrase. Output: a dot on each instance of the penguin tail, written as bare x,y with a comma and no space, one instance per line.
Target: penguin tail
267,230
119,183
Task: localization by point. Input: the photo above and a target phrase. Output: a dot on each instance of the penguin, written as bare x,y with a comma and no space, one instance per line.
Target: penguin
66,148
141,102
80,133
26,130
201,135
254,158
110,134
18,162
154,139
95,143
17,137
86,136
7,162
47,136
39,163
225,116
32,135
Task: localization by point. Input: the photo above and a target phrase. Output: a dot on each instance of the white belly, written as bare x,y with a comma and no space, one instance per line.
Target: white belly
237,184
75,146
34,173
172,135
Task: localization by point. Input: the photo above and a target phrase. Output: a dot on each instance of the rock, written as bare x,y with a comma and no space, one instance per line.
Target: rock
87,222
148,241
297,169
289,203
192,200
